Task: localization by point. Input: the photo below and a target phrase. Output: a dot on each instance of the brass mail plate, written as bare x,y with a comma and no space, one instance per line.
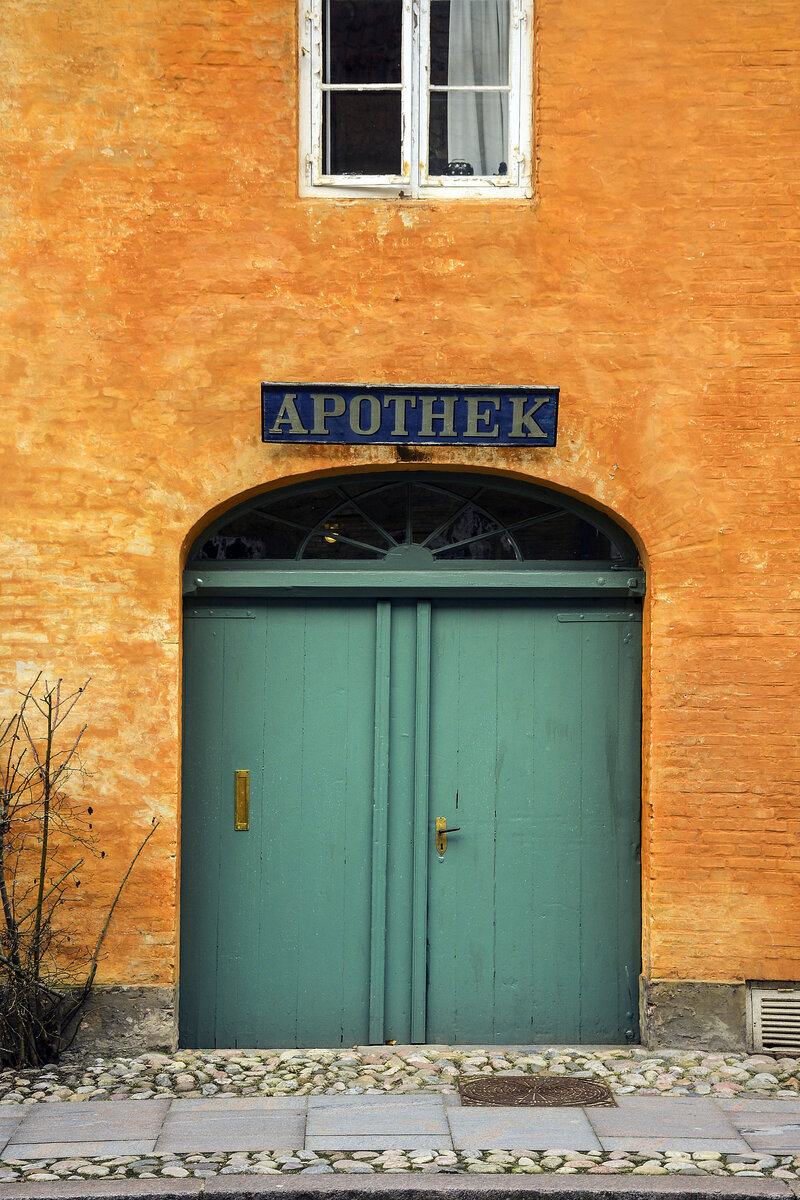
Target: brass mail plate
241,807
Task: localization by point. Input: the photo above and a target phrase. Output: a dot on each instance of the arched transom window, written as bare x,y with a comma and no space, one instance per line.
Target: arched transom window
419,519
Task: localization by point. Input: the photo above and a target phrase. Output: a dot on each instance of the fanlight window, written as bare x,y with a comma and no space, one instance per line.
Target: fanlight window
427,520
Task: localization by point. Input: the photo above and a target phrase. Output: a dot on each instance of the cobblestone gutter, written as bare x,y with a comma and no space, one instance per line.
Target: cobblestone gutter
380,1070
491,1162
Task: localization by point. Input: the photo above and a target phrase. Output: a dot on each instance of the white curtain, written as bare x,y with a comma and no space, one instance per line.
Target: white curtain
477,122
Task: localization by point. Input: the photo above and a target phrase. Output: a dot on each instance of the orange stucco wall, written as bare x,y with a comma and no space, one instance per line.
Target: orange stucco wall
159,264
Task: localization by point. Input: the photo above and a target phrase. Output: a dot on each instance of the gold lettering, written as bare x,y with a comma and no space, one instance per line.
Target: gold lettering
356,409
448,404
402,401
323,413
523,424
288,415
486,419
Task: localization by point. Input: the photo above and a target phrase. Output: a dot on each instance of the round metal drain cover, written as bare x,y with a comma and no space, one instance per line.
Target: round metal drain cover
551,1091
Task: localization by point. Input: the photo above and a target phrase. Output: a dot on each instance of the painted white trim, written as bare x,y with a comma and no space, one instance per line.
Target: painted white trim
414,183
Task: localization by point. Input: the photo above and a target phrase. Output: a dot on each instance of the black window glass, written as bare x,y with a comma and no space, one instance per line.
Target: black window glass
495,546
328,546
564,538
362,41
252,536
468,524
432,509
361,133
350,522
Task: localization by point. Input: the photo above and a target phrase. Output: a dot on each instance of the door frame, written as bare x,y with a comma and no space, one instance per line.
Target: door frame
509,580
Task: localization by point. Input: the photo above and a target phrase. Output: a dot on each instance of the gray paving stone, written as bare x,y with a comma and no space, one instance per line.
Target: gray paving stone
759,1104
86,1149
100,1121
284,1104
654,1117
10,1119
518,1128
772,1131
673,1141
383,1141
236,1127
375,1116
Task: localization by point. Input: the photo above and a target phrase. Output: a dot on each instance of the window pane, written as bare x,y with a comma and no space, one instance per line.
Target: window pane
470,523
348,522
252,535
497,545
330,547
565,538
468,133
511,507
388,507
431,509
361,133
469,42
361,41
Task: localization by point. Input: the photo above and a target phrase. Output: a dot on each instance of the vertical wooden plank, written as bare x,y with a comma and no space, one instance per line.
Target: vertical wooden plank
400,863
461,966
239,920
515,809
202,779
326,880
380,801
422,836
554,893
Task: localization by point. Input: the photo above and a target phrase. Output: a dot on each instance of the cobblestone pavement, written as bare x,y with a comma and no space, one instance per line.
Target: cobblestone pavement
399,1070
705,1163
376,1070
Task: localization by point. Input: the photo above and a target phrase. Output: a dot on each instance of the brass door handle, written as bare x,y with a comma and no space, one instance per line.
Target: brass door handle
441,834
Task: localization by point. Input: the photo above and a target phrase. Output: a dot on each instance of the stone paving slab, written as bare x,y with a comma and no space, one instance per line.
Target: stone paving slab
8,1125
375,1116
246,1125
652,1116
87,1149
122,1120
236,1104
759,1104
675,1141
521,1128
770,1130
378,1142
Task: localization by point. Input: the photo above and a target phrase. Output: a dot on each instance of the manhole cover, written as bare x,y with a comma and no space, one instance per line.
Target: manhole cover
551,1091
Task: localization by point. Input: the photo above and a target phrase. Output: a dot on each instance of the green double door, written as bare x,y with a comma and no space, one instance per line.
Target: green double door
333,920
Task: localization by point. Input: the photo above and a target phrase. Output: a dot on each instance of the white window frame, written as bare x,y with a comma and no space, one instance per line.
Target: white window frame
414,182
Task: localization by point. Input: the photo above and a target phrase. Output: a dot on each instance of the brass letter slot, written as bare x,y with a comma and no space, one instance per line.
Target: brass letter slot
241,809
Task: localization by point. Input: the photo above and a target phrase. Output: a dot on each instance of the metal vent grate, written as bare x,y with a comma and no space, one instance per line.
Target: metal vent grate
776,1019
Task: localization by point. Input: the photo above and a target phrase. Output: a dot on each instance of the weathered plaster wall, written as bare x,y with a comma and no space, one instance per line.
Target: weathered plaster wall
159,264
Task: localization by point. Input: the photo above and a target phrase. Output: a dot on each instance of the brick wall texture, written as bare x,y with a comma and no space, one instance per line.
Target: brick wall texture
158,264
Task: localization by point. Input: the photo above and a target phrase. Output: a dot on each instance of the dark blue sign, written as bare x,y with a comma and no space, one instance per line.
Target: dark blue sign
465,416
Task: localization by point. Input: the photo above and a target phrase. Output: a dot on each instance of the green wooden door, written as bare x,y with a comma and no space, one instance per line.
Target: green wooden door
275,920
533,914
332,921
